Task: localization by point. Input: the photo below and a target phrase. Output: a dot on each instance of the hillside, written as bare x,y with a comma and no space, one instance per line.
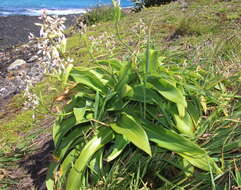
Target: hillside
201,41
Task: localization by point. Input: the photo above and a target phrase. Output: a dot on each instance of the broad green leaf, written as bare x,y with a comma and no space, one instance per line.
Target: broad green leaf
71,157
50,184
170,140
104,136
79,114
153,62
194,110
60,128
179,144
126,90
187,168
132,131
184,125
96,166
73,137
113,64
119,145
167,90
89,79
203,162
123,77
181,109
68,161
137,94
77,101
115,104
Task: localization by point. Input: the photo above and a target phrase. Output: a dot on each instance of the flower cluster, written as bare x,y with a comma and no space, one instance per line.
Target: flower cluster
140,30
51,43
106,41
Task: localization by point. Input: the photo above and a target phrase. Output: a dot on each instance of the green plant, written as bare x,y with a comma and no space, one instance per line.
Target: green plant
140,105
97,15
115,104
139,4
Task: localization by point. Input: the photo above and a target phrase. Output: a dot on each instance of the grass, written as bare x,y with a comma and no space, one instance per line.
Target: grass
206,35
98,14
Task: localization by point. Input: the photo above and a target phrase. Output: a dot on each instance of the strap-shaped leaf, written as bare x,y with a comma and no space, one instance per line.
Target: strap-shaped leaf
89,79
153,62
203,162
61,128
132,131
185,124
137,94
174,142
123,77
79,114
167,90
119,145
113,64
96,166
71,138
104,136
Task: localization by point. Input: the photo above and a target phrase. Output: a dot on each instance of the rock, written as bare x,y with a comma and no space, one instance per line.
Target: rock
20,82
33,58
16,64
7,88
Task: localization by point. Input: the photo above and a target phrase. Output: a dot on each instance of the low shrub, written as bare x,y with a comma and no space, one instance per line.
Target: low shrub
139,4
97,15
192,26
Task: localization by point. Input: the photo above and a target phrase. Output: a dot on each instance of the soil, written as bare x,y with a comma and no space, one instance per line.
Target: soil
15,29
30,171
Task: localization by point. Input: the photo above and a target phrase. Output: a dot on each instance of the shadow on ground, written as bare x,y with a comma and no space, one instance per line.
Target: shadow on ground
36,165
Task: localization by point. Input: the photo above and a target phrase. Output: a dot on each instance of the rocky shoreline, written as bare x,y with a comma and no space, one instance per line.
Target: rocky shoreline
15,29
18,60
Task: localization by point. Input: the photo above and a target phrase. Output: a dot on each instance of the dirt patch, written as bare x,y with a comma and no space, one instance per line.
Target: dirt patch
29,172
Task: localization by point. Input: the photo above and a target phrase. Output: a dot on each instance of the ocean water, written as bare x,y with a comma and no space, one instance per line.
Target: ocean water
59,7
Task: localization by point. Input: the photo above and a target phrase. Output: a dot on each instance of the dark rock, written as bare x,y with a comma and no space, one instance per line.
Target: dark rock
7,88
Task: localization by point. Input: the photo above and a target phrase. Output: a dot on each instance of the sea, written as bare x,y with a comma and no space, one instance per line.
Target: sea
57,7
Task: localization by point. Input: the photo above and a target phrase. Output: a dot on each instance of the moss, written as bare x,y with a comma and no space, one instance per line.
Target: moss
14,130
16,121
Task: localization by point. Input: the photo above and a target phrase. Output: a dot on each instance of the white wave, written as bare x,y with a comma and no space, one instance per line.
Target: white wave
37,12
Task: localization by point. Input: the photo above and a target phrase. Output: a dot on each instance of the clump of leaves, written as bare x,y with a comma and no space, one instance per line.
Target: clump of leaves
117,104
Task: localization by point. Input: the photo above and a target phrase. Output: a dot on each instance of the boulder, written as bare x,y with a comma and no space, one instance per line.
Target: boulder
16,65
